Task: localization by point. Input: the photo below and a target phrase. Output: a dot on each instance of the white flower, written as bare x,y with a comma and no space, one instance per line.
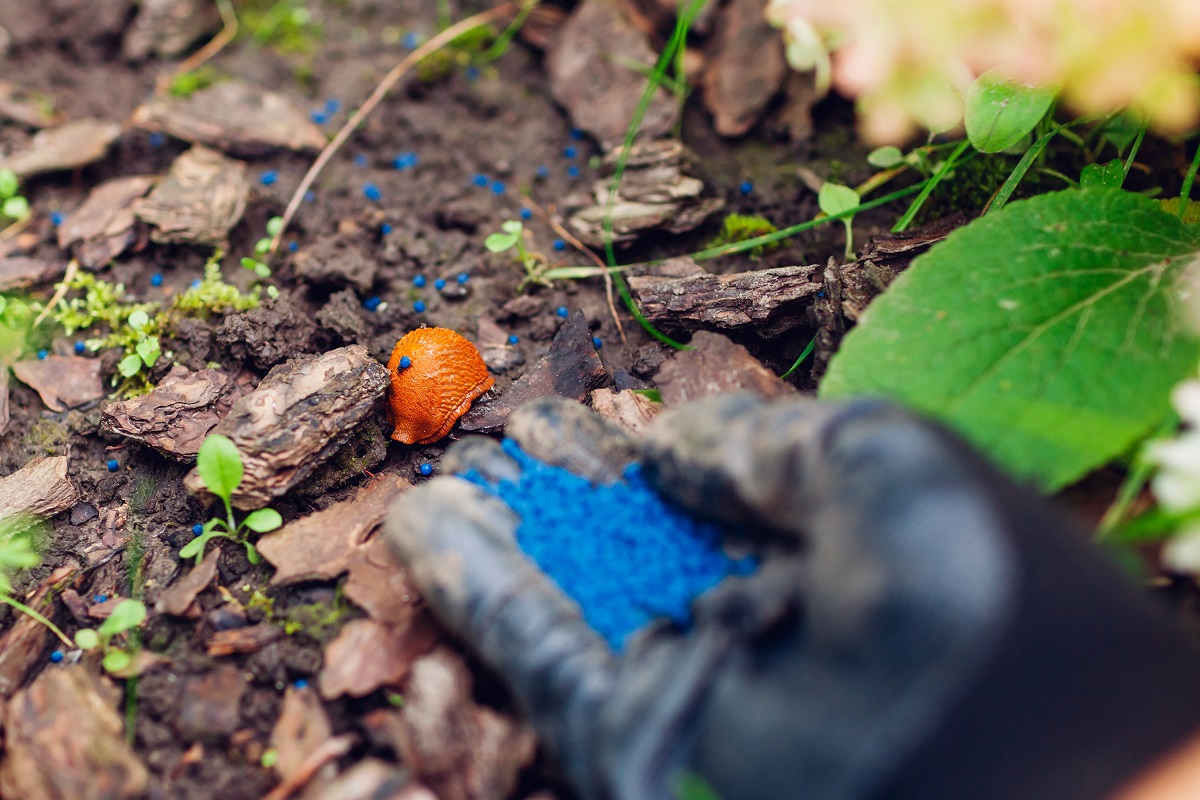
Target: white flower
1182,552
1177,482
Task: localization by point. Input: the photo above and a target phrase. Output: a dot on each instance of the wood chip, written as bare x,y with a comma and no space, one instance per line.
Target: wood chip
244,641
299,416
571,369
302,728
768,301
23,646
210,704
62,381
369,779
63,738
166,28
746,67
716,365
200,200
590,75
234,116
41,488
322,545
74,144
179,599
459,749
378,583
367,655
178,414
626,408
27,107
21,272
103,227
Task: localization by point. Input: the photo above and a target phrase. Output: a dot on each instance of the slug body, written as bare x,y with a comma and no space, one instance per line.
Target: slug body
435,376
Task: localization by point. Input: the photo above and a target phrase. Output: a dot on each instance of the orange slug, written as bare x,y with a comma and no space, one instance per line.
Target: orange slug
436,374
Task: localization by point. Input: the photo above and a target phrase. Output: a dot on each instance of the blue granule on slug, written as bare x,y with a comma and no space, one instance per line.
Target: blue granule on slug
622,552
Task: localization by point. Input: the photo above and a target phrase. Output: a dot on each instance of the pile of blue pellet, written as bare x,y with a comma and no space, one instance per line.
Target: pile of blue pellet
625,554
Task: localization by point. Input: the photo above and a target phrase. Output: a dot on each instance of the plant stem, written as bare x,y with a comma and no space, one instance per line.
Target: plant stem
1185,194
1137,145
1135,481
812,343
931,184
24,609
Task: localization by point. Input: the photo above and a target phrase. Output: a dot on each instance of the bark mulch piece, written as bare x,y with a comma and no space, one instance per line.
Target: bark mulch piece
21,272
40,488
716,365
746,67
62,381
23,646
201,199
71,145
104,226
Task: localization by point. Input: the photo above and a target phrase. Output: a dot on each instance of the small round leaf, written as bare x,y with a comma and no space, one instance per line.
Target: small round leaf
220,465
263,520
836,199
87,639
1000,110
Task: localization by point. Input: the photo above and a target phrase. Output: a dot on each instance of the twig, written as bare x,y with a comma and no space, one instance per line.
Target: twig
60,291
215,45
433,45
581,247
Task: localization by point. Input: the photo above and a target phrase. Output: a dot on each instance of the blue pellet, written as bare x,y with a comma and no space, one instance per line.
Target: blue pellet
570,152
371,192
622,552
419,281
197,529
411,41
293,246
543,171
576,134
333,106
156,279
80,347
419,306
572,171
472,73
269,178
746,187
498,187
426,469
463,277
597,343
300,683
385,229
371,303
562,311
479,179
99,598
157,140
310,197
559,244
526,214
56,218
57,656
439,284
195,283
318,117
113,465
42,354
405,362
360,160
404,161
513,339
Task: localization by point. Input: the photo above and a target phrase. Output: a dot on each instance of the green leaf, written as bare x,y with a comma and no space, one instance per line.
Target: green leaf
126,615
247,263
194,548
274,226
148,350
836,199
574,273
138,320
262,246
262,270
885,157
15,208
220,465
1103,176
499,242
1047,333
117,661
130,365
87,639
690,786
263,520
9,183
252,554
1000,111
513,226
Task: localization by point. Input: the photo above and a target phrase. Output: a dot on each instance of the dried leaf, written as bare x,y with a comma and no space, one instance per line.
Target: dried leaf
62,381
104,225
74,144
368,655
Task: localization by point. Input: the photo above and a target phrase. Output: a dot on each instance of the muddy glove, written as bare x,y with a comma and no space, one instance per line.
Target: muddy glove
917,626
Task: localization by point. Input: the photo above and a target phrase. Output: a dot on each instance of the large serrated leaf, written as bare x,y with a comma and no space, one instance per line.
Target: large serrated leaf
1049,333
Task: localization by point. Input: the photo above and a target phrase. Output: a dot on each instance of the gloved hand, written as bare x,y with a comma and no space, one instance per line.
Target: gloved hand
918,627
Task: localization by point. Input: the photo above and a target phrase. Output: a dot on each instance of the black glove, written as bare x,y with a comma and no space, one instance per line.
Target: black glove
919,627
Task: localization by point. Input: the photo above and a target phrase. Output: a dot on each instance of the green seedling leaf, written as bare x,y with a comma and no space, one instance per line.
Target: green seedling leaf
148,350
17,553
574,273
513,226
1049,333
1000,111
885,157
1103,176
15,208
263,520
274,226
117,661
87,639
499,242
835,198
262,270
1123,128
130,365
138,320
261,247
127,615
252,554
9,183
690,786
220,465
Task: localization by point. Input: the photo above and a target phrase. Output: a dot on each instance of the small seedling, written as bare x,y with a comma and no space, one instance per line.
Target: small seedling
537,266
262,247
17,553
743,227
12,205
145,349
837,199
126,616
220,466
